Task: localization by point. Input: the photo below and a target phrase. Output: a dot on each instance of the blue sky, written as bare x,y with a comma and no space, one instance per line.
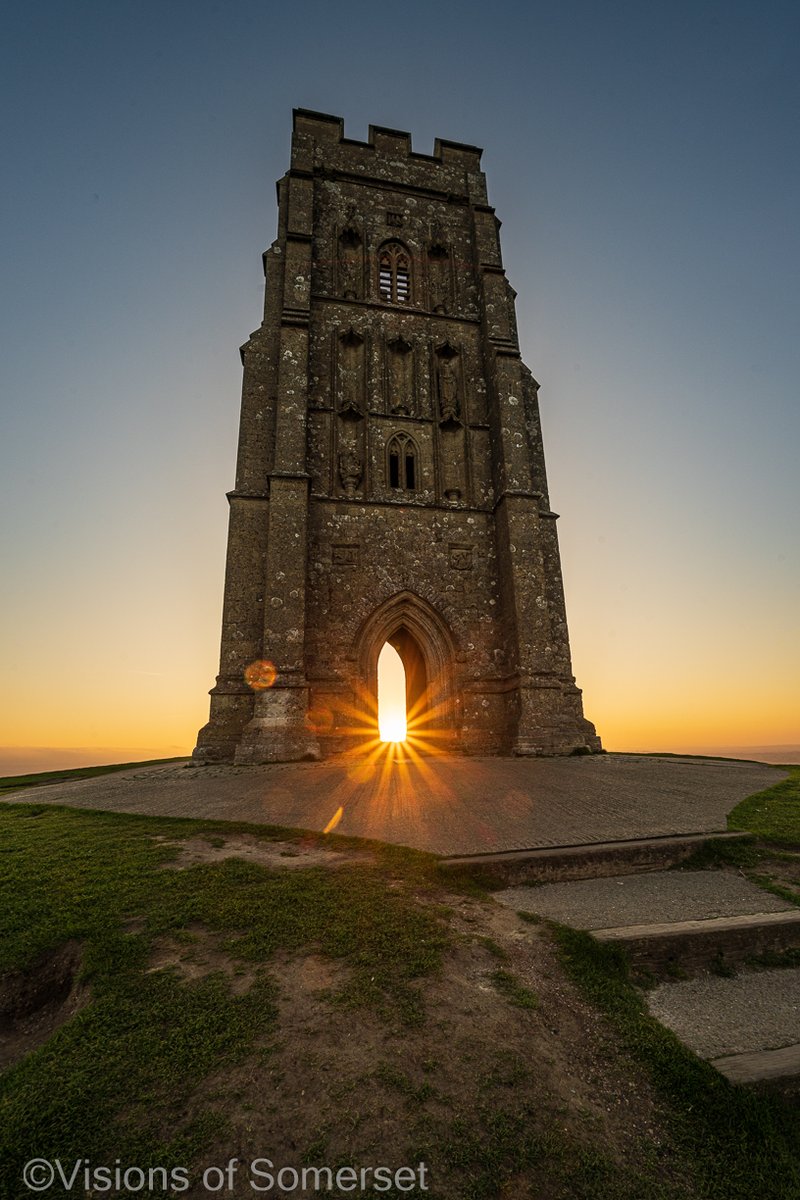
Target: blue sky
643,158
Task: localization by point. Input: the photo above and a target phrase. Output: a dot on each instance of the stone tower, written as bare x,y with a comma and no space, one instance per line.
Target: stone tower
390,483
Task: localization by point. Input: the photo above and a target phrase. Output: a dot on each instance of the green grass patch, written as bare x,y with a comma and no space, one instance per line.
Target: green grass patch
773,814
743,1145
494,948
392,1077
769,856
716,853
792,895
13,783
111,1082
501,1145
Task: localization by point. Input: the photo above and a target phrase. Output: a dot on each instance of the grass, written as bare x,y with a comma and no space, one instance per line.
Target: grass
112,1081
123,1079
13,783
772,851
515,992
773,814
743,1145
116,1080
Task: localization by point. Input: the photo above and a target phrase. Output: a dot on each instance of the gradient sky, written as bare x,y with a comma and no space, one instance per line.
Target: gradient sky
643,158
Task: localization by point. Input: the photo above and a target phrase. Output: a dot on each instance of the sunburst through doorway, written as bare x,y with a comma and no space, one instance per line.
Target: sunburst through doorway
392,715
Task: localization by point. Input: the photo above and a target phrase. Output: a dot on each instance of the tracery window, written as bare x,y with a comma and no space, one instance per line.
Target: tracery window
394,273
402,460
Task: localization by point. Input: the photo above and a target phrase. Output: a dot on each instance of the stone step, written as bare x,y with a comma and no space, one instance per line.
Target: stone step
773,1069
691,946
670,920
747,1026
592,861
656,897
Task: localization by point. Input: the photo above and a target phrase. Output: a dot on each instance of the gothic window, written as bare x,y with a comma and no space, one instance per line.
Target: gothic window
394,273
402,456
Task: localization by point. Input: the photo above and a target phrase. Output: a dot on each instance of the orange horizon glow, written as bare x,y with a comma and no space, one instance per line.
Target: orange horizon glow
639,702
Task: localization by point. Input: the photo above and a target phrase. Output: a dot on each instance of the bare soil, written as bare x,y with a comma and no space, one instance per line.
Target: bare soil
337,1082
341,1084
36,1002
301,853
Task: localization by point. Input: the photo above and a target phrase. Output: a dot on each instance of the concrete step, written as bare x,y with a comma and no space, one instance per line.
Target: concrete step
747,1026
773,1069
595,860
691,946
657,898
672,922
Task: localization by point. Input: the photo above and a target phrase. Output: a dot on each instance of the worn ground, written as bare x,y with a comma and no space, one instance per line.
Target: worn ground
181,992
335,1086
328,1041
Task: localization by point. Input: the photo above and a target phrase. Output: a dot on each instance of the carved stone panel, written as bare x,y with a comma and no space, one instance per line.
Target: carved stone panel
350,469
448,388
439,283
452,462
351,261
350,374
400,377
345,554
460,557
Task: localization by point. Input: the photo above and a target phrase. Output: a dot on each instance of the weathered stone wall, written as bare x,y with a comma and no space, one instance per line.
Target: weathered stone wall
362,555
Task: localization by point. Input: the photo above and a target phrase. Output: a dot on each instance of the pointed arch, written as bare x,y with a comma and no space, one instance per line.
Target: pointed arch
402,463
394,273
426,645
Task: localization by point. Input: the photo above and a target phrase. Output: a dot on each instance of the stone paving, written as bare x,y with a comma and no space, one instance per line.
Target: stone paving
447,805
649,899
753,1011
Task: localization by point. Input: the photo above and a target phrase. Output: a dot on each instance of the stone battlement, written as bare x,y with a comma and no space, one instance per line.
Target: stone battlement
386,143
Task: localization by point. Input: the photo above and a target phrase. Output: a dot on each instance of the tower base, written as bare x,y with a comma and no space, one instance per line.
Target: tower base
278,731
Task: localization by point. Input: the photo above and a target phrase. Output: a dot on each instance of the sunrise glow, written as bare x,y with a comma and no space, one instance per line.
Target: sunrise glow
392,724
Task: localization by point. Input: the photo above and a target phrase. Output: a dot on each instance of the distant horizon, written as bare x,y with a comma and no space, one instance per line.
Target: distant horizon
30,760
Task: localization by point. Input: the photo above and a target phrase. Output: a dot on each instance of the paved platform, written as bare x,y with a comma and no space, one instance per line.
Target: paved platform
447,805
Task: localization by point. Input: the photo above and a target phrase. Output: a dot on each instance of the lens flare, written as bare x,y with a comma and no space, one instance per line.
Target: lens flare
334,821
260,674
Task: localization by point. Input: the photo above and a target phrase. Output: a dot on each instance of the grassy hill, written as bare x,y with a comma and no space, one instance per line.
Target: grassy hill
175,994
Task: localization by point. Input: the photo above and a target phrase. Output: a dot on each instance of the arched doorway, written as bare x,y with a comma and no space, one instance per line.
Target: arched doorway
424,643
402,688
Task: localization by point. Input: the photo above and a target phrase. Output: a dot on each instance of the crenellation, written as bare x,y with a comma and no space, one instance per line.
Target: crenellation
389,143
